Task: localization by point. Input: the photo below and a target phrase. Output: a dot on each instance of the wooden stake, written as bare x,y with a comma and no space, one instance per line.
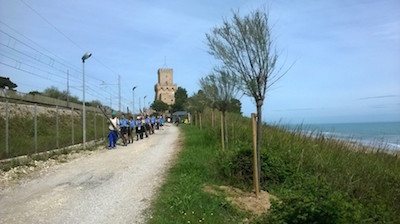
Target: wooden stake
222,132
255,165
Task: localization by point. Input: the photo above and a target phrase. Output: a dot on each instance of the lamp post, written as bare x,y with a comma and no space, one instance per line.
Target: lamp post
144,102
84,57
133,102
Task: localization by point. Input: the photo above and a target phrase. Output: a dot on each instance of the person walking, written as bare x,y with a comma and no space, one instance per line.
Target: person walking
124,125
112,134
153,123
139,128
147,126
131,128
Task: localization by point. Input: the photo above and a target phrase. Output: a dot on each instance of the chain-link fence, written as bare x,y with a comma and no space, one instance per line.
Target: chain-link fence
35,123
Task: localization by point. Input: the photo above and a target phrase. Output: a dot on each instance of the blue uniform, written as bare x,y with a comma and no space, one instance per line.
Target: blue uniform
123,123
133,124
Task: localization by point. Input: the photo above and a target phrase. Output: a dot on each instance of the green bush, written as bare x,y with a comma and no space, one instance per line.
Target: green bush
313,201
237,167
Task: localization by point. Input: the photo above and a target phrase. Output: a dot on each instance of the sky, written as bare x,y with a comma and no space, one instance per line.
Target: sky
344,56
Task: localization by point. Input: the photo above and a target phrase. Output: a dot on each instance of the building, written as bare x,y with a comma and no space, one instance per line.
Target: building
165,88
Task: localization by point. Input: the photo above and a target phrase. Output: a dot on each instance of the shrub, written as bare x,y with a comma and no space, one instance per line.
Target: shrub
237,166
313,201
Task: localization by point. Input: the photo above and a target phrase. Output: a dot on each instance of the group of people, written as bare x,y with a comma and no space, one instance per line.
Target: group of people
143,125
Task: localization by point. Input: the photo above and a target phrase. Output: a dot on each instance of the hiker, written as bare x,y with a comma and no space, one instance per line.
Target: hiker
124,125
144,123
158,123
148,125
139,128
162,121
132,125
176,120
112,134
153,123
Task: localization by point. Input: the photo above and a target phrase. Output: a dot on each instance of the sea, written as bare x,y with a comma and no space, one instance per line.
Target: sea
376,134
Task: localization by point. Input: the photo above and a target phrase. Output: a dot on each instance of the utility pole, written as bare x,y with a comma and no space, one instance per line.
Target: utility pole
140,106
119,92
144,103
111,101
67,88
133,98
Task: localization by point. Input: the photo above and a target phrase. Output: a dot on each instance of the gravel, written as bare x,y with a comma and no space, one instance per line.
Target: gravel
107,186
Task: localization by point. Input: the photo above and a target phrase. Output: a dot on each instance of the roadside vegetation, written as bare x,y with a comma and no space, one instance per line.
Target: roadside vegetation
315,179
21,131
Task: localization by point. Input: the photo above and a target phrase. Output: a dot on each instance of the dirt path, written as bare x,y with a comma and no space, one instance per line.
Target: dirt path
109,186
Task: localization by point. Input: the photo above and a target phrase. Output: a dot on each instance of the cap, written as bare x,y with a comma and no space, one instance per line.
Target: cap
114,113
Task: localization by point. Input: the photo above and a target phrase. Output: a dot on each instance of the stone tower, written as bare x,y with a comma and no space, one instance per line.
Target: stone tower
165,88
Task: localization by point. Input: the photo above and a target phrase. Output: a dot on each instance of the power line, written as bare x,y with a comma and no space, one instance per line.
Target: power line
19,33
19,64
52,60
20,52
59,31
29,72
54,27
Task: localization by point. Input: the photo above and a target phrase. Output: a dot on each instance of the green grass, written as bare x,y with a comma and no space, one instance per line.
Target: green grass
181,199
21,133
317,179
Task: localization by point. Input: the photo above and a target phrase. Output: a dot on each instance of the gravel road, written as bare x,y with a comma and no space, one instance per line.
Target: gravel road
109,186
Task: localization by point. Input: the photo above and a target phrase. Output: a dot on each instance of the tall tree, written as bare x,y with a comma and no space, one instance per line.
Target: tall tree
180,100
235,106
221,87
159,106
6,82
245,46
53,92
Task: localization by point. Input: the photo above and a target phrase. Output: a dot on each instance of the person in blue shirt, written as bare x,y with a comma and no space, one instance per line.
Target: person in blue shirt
158,123
153,123
124,125
161,121
131,129
139,128
148,126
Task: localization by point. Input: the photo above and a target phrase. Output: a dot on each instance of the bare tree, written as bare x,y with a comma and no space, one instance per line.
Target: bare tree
220,88
246,47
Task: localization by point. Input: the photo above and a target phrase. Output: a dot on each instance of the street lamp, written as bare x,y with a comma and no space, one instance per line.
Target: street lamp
84,57
133,102
144,102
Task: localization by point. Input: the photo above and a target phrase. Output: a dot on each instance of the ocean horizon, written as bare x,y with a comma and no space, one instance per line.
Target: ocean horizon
384,135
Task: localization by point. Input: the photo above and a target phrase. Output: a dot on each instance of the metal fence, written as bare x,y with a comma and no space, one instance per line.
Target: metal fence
35,123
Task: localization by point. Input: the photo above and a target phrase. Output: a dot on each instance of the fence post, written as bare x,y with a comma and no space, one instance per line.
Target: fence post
57,127
103,126
72,118
95,126
35,127
255,161
222,132
7,115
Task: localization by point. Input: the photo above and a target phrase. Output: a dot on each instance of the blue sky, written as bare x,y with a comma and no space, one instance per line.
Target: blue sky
345,54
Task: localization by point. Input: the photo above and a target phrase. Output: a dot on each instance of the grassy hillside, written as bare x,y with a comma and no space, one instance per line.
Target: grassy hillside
316,180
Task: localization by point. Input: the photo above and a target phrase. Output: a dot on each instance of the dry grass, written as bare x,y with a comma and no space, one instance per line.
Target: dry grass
243,200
